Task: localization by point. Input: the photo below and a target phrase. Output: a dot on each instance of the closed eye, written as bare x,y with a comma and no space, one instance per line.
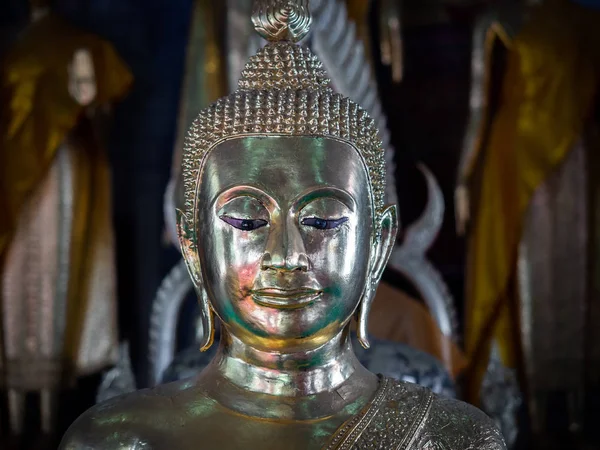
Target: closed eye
244,224
323,224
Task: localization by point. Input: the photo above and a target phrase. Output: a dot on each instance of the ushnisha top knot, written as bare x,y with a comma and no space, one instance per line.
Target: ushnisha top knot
281,20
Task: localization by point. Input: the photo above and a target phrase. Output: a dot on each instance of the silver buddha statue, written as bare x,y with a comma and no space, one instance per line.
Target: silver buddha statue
285,232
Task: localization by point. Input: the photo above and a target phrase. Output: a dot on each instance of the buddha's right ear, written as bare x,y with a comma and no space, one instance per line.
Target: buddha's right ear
189,250
187,242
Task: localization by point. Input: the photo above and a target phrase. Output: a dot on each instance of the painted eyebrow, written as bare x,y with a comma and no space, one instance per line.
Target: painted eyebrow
231,193
325,192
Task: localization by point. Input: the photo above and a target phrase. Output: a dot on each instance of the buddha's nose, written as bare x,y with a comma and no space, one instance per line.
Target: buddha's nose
285,249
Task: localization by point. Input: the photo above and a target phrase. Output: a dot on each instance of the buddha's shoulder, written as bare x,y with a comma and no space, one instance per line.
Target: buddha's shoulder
132,420
461,425
443,421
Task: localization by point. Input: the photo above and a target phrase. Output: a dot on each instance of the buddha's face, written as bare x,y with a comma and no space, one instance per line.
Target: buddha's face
285,238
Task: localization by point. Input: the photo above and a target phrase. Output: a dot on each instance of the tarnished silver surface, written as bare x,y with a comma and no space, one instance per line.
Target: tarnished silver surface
285,234
344,57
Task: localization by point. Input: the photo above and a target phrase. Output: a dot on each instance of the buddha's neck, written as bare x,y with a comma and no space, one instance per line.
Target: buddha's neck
295,374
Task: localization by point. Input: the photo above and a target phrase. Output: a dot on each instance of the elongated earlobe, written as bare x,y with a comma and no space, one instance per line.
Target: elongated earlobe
362,332
189,251
207,320
379,258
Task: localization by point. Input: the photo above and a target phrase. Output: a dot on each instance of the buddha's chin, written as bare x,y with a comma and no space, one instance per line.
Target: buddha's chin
275,323
290,330
290,344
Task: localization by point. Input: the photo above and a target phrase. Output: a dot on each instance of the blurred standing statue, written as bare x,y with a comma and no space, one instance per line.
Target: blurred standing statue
524,180
58,315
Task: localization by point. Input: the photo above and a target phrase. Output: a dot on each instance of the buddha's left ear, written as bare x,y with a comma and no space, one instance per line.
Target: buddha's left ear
387,238
384,244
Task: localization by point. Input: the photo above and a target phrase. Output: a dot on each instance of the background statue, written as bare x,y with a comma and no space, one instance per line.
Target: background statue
524,180
56,244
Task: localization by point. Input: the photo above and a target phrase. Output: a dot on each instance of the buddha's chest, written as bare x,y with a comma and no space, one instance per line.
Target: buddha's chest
245,433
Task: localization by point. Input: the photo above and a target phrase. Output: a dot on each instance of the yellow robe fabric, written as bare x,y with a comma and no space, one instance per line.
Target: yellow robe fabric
548,92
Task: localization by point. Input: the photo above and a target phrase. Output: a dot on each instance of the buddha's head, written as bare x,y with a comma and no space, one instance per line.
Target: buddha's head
282,218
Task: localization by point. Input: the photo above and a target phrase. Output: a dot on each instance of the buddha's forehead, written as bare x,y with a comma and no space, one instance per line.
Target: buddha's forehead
285,167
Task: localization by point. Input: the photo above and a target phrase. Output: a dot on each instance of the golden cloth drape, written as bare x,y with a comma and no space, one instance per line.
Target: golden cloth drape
38,117
548,91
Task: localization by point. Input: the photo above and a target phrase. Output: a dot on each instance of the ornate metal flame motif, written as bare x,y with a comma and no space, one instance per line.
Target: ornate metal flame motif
282,20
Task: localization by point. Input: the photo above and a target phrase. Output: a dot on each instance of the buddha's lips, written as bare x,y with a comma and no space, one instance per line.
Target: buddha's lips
285,298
